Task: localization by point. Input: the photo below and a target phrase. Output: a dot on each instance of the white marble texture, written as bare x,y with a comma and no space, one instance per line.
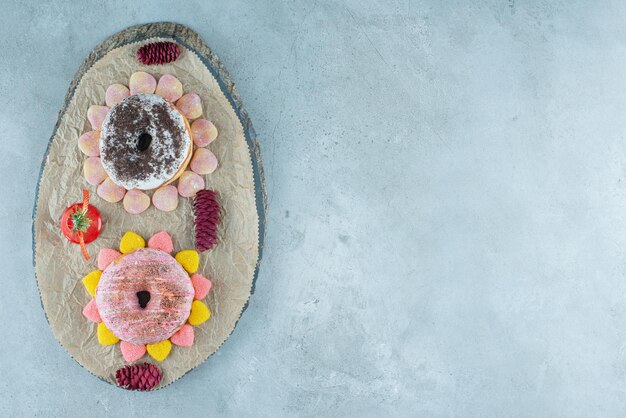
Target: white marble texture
447,208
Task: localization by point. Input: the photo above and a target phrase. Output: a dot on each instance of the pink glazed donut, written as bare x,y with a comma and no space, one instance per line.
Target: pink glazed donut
144,297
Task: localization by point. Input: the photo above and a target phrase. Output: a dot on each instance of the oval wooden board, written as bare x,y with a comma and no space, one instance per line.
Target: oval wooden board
232,265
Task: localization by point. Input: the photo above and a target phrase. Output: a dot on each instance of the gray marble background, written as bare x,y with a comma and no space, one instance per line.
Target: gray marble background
447,208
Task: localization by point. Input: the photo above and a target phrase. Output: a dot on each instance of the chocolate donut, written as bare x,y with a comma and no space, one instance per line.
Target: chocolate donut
144,297
144,142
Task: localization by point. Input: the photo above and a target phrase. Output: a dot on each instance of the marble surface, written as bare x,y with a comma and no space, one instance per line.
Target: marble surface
447,208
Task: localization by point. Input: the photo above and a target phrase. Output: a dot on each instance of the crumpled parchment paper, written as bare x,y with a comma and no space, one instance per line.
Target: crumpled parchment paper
59,266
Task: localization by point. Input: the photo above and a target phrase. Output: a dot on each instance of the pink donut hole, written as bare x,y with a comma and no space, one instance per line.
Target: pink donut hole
203,132
89,143
136,201
116,93
165,198
93,171
203,161
169,88
189,184
190,105
110,191
142,82
96,115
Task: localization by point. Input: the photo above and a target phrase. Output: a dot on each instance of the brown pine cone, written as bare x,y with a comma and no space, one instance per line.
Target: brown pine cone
207,211
138,376
158,53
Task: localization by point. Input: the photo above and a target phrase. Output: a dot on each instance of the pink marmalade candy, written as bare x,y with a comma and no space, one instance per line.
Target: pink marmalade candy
189,184
136,201
203,132
115,94
132,352
89,143
110,191
203,161
141,82
184,336
190,105
91,311
167,308
165,198
106,256
161,241
169,88
96,115
93,171
201,286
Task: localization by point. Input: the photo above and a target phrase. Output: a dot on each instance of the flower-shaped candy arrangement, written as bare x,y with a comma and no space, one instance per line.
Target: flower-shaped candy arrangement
146,137
144,298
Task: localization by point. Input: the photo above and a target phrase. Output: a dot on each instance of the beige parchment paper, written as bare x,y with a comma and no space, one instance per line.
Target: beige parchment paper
59,266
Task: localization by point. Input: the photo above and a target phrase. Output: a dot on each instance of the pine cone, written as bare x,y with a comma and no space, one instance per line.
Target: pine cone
138,376
158,53
207,210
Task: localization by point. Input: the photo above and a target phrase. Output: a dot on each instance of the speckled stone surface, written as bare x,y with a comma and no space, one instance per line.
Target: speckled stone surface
447,208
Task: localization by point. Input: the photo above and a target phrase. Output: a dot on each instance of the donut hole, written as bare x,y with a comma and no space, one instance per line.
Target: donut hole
143,142
143,297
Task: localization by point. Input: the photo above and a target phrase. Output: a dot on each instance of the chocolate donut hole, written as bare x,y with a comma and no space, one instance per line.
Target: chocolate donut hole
143,142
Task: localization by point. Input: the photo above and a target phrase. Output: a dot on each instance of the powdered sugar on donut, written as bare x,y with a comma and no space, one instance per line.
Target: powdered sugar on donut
126,163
